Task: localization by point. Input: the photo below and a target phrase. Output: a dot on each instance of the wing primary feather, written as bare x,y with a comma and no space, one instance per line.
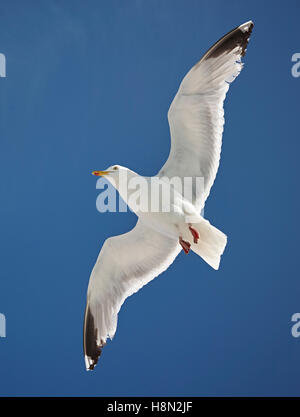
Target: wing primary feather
236,37
92,350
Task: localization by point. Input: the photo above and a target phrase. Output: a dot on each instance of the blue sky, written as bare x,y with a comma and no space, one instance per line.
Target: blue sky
89,85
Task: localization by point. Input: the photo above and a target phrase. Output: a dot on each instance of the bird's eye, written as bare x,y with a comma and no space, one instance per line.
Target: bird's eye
115,168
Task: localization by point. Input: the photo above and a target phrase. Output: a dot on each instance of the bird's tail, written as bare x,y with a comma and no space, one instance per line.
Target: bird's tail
211,243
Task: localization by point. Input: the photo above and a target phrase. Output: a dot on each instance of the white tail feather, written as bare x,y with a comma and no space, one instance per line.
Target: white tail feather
211,243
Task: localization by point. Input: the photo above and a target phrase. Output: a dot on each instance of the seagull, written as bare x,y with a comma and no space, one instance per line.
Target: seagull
129,261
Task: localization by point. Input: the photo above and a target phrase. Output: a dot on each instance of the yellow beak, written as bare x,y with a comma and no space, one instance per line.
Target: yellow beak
100,173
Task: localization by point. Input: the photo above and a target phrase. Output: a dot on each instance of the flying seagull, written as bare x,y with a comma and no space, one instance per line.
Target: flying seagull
129,261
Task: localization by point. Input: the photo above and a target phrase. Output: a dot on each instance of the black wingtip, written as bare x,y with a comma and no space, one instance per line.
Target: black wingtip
237,37
92,350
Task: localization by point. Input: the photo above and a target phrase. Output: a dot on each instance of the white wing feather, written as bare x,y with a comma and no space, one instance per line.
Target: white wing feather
125,264
196,115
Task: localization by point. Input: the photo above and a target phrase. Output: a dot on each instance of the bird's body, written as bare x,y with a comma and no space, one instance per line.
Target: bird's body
169,207
168,218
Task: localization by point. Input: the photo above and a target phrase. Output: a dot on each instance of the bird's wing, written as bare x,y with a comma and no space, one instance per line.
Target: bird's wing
125,264
196,115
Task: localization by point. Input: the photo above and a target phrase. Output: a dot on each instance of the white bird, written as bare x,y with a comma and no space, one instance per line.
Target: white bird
129,261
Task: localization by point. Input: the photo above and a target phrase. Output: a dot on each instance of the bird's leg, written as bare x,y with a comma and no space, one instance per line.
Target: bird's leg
185,245
195,234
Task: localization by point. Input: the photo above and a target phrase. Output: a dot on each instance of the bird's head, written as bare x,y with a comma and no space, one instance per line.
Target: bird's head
116,175
112,171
